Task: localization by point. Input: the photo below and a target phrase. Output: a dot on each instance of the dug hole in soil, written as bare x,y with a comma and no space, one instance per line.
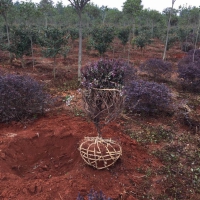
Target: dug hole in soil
42,161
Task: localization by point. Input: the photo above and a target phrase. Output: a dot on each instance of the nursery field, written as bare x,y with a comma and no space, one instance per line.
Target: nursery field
40,160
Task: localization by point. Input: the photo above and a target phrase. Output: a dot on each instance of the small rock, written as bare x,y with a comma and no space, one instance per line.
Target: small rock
39,188
32,188
25,191
3,155
2,176
45,167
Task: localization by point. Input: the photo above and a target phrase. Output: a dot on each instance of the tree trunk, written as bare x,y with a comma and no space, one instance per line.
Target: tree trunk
33,61
54,67
152,30
133,26
129,46
22,62
98,128
7,31
80,47
195,45
168,28
8,37
104,18
46,21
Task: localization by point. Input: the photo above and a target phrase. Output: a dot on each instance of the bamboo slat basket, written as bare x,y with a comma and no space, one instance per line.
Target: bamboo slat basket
100,153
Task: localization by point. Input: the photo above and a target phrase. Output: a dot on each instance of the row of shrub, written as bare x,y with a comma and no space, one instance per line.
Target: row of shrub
188,70
23,97
140,96
100,38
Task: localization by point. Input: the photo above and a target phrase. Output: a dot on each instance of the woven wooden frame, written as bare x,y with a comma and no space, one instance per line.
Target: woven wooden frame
91,152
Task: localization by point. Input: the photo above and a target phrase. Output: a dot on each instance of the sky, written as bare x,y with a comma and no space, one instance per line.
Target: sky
158,5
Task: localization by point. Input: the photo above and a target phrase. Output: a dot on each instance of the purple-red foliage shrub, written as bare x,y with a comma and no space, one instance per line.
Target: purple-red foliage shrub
157,68
189,75
145,97
196,53
187,60
189,71
94,195
107,74
193,56
21,97
187,46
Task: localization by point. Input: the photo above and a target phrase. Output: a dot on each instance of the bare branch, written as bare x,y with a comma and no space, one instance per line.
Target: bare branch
102,105
78,4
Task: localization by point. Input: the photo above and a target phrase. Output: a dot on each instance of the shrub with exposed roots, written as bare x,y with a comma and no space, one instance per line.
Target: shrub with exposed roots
157,69
145,97
103,84
21,98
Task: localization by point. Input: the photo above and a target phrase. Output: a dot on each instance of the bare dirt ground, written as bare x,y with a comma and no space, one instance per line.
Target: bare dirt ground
40,159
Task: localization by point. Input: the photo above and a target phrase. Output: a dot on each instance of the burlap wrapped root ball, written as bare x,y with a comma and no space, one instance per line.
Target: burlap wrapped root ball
100,153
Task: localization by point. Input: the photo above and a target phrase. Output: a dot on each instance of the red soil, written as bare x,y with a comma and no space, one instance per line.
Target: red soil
40,160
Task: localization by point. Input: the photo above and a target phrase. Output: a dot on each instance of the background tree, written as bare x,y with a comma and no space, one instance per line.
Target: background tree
102,38
114,17
173,12
193,17
132,8
5,6
54,42
93,14
60,12
46,7
74,34
65,12
28,13
172,37
168,29
197,35
154,18
104,10
123,35
33,35
79,6
20,43
141,41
